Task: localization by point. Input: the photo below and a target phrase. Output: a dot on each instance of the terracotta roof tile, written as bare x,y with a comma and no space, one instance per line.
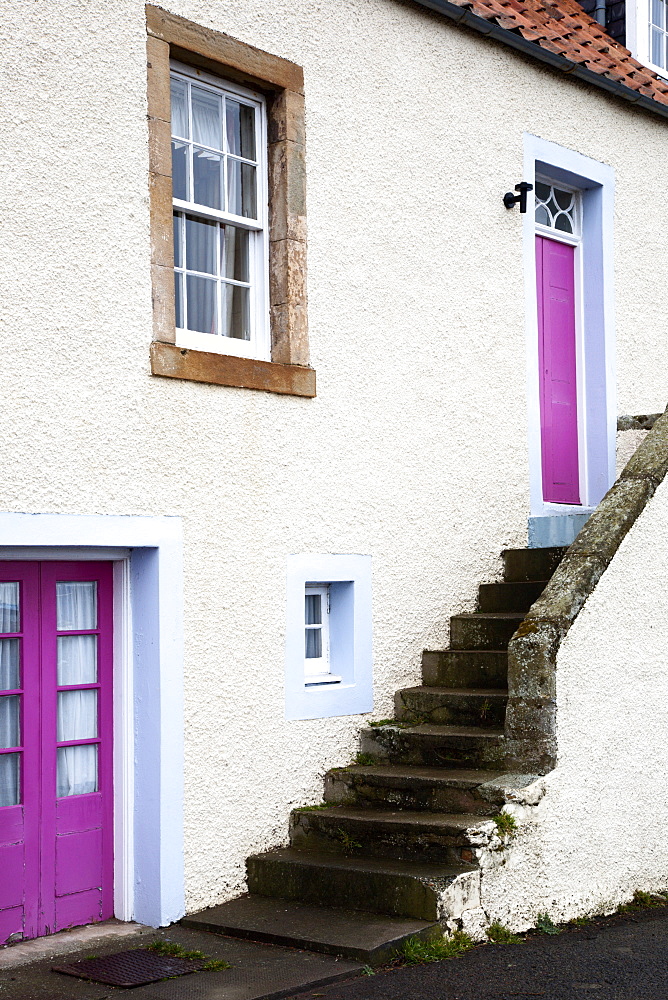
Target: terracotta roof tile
562,27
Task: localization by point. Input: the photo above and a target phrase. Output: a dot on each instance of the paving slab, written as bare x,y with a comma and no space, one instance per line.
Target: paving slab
259,971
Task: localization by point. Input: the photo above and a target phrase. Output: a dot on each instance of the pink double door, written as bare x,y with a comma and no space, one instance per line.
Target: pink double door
555,273
56,795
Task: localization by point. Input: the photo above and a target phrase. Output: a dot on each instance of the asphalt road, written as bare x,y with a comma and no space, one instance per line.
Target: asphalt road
615,958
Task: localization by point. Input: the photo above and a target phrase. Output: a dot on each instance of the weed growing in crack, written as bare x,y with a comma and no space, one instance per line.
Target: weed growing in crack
175,950
506,824
367,971
544,924
641,900
499,934
365,758
348,843
416,951
320,805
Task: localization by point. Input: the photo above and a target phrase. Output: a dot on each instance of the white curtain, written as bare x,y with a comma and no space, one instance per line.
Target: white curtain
77,715
179,109
9,721
9,664
77,770
9,779
9,607
77,660
76,605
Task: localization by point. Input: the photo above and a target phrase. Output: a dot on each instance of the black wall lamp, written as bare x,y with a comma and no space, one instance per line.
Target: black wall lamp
510,199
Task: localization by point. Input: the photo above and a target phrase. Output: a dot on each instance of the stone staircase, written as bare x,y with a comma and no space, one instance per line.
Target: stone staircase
368,868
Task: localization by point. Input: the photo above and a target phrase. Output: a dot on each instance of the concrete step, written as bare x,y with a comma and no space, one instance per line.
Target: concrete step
381,885
517,597
435,746
433,789
531,564
465,668
483,631
422,836
444,706
363,937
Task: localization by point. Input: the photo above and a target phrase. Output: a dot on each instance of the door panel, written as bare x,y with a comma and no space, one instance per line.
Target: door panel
555,273
60,832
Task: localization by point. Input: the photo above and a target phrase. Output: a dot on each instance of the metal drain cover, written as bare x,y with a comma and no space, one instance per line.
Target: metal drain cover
131,968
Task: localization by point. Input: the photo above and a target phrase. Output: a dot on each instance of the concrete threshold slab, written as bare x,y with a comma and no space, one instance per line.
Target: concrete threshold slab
258,971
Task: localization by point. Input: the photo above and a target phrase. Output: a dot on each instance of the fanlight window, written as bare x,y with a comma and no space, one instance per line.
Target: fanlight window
557,208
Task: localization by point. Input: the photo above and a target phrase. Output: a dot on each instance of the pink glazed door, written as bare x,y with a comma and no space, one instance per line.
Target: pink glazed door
56,794
555,273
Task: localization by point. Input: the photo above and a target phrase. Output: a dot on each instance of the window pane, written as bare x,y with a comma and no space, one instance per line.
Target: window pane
9,779
178,237
658,13
234,247
240,124
77,770
179,93
179,170
77,662
9,607
563,223
542,191
542,215
207,118
201,304
313,643
76,605
10,729
564,199
241,193
657,47
206,178
201,237
236,312
77,715
178,299
10,675
313,609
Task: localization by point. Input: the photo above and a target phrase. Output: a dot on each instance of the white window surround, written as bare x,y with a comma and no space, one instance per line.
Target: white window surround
148,691
595,181
259,345
638,33
348,579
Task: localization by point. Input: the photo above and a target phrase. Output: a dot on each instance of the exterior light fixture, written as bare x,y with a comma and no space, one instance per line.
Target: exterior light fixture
510,199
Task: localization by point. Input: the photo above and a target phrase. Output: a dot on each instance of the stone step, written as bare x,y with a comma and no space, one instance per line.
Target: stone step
433,789
516,597
443,706
381,885
465,668
483,631
531,564
422,836
435,746
364,937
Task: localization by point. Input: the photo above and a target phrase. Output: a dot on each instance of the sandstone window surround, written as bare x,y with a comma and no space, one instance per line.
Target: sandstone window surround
282,83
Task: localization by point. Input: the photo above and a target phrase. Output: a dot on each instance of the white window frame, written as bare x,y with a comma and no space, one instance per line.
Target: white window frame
259,345
317,670
638,34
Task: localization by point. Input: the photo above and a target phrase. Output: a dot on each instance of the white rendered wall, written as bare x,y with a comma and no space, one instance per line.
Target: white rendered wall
413,452
598,833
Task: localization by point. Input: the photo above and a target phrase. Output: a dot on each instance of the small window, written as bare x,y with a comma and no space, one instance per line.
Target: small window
658,33
557,208
316,636
220,218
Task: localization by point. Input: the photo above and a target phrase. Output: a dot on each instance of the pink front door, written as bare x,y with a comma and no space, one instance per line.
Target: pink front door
56,795
555,273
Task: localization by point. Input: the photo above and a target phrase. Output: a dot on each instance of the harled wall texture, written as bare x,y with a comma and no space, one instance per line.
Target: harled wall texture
415,449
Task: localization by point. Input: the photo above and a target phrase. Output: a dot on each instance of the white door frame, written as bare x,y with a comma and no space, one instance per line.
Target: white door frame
148,691
596,354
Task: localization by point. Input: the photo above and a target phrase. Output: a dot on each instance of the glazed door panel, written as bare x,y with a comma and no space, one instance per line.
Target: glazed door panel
555,271
60,831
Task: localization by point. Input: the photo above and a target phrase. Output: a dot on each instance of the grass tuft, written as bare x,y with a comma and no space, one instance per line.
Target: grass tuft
216,965
505,824
499,934
544,924
368,971
348,843
320,805
365,758
178,951
641,900
415,951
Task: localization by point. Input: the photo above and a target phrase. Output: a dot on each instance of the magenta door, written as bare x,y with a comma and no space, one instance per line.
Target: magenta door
56,794
555,273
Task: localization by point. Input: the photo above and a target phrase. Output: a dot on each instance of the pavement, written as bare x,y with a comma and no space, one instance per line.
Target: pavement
624,957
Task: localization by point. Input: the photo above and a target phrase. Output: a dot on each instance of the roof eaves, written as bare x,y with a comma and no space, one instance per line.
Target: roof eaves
484,26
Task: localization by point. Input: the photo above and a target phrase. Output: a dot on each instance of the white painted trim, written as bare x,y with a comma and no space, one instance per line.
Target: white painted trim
350,645
148,643
638,35
596,182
